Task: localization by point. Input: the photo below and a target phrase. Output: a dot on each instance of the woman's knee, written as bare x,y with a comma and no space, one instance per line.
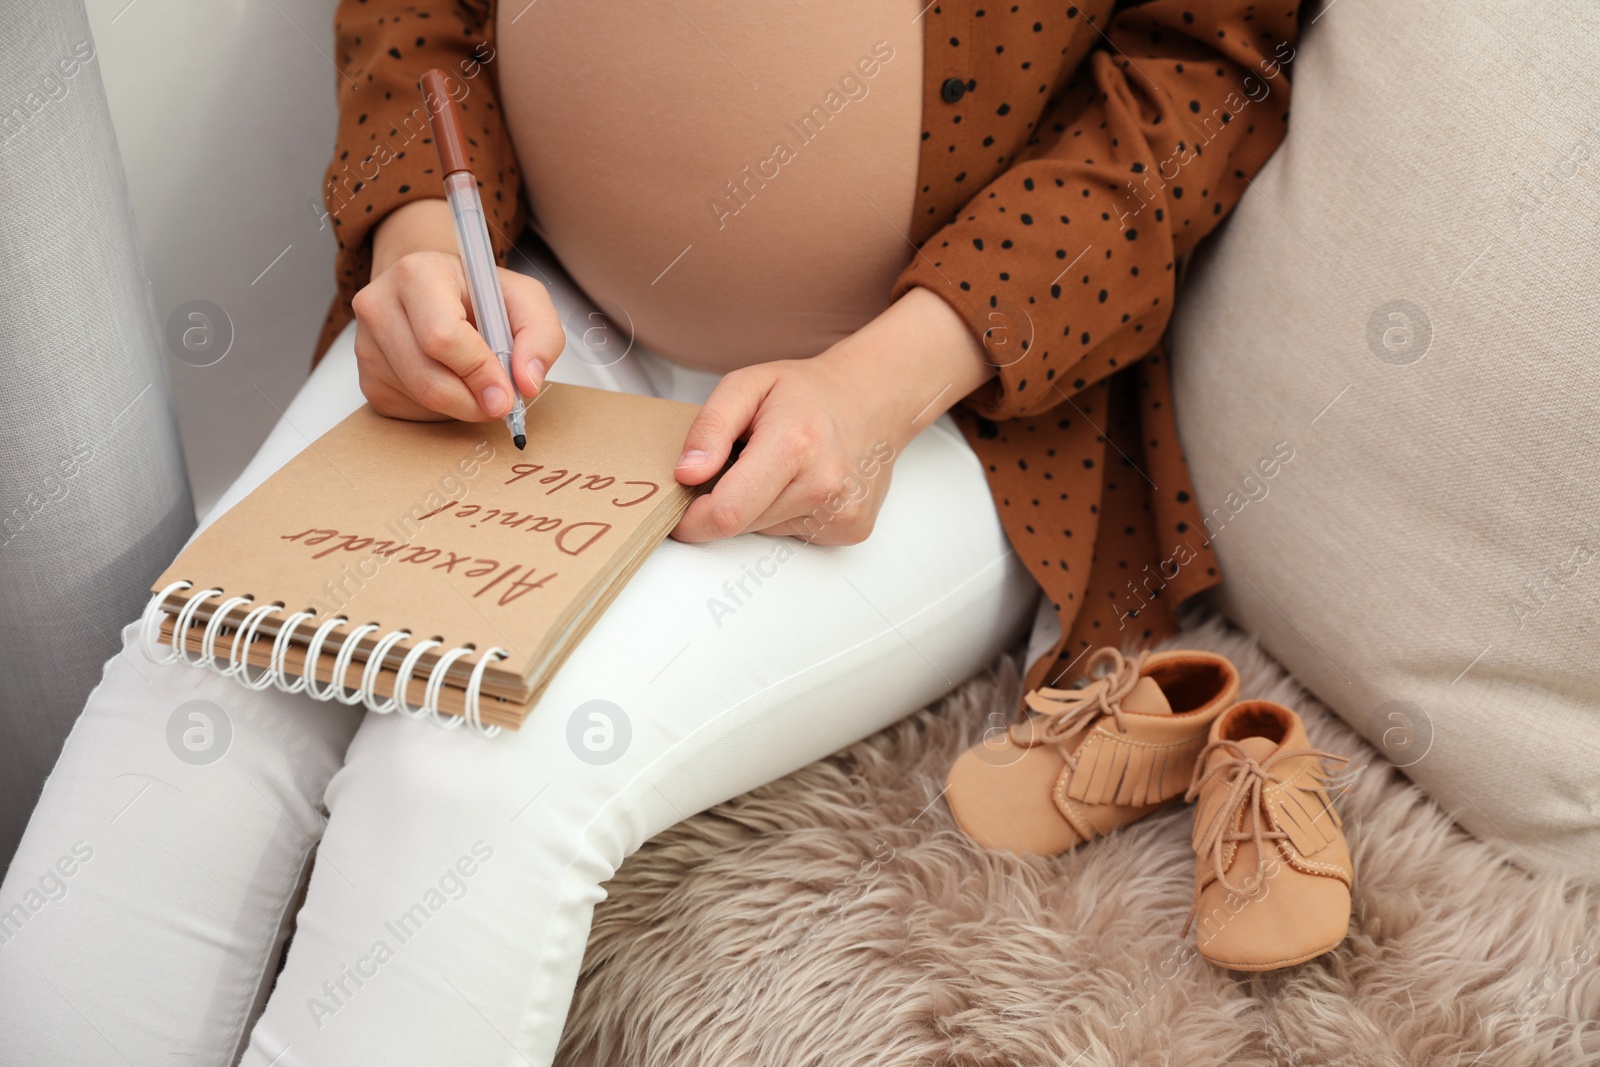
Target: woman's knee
412,770
403,770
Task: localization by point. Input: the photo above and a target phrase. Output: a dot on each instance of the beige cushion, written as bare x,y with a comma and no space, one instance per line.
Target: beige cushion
1408,302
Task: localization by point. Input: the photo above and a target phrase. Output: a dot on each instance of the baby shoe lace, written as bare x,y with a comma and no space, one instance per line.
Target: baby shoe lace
1064,714
1247,780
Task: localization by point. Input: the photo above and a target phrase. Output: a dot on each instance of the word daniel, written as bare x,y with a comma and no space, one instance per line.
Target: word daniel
812,123
452,885
851,491
1254,490
570,538
1255,91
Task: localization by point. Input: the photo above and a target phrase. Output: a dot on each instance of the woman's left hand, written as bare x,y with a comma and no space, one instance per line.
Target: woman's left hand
821,434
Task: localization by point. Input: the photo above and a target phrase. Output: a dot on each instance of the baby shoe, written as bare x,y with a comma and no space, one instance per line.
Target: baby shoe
1272,870
1094,759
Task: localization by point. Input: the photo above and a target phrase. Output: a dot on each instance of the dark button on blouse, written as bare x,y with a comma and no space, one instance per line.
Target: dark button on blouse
952,90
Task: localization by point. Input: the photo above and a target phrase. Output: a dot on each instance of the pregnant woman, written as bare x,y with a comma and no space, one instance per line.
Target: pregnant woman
939,241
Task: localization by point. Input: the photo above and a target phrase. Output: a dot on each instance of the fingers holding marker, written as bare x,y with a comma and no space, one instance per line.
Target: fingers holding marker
437,314
429,382
416,335
537,337
387,351
380,385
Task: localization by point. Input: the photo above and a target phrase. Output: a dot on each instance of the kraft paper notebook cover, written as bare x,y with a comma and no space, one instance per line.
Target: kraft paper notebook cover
440,530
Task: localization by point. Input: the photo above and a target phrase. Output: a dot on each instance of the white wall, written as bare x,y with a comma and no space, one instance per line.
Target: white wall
225,117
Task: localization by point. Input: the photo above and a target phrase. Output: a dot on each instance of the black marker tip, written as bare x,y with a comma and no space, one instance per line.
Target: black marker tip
520,440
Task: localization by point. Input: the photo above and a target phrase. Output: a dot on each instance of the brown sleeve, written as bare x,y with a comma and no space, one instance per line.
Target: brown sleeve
384,156
1064,264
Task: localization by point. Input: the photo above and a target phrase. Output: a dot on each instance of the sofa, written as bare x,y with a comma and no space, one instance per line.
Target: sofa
1393,324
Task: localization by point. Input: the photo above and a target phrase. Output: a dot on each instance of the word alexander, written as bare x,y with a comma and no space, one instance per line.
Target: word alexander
471,567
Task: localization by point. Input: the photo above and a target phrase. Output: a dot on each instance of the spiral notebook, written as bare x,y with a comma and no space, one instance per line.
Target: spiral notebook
430,568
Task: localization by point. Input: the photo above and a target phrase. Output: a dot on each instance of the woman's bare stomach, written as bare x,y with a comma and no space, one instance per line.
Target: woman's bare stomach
730,184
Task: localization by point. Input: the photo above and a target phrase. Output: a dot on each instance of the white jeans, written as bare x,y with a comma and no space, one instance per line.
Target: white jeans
452,878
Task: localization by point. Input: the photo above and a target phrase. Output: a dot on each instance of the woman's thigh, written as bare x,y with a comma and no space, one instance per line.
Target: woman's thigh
468,868
148,898
149,895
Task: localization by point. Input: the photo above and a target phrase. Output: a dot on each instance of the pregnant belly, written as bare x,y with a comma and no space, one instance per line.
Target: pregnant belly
734,183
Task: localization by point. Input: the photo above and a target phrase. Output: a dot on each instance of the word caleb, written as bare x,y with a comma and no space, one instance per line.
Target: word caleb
560,479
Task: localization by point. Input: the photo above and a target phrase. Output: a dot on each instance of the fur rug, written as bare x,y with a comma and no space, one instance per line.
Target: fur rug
837,918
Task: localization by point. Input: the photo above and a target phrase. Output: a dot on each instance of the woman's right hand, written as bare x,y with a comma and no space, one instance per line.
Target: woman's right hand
419,355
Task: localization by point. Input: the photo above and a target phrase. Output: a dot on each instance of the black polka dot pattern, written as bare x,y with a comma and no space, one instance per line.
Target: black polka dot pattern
384,156
1096,150
1070,157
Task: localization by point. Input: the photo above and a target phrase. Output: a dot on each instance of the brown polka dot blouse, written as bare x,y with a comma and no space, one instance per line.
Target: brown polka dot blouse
1072,155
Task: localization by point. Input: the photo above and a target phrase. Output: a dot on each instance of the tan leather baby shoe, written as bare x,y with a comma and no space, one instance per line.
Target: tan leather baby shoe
1091,760
1272,870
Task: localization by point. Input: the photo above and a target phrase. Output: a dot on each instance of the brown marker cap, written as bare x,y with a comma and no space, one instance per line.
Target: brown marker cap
447,135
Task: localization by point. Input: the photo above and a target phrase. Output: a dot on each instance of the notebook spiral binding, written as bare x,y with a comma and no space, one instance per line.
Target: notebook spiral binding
237,663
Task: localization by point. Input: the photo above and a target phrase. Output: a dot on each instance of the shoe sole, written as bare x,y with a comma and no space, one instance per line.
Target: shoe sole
1276,965
1162,807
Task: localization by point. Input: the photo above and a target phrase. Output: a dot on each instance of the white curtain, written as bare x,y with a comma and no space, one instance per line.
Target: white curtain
93,496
